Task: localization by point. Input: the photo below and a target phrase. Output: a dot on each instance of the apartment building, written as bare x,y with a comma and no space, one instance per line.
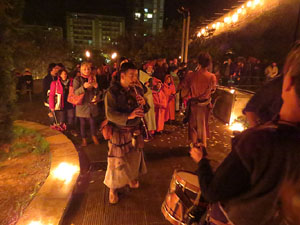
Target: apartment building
91,30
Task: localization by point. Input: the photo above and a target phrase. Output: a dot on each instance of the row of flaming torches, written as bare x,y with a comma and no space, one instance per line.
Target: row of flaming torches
229,19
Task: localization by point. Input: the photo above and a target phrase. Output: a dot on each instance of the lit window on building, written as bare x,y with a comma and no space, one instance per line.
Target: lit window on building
137,15
145,20
90,42
149,15
146,10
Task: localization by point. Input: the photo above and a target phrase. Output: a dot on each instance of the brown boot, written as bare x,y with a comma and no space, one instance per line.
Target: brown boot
95,140
84,142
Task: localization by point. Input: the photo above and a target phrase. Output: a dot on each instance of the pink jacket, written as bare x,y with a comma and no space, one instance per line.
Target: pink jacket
56,87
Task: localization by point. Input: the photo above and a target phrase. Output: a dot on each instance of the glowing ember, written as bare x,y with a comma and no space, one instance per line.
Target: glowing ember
65,172
237,126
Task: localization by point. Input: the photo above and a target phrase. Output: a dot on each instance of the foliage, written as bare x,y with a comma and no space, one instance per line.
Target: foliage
10,13
140,48
40,145
25,141
36,48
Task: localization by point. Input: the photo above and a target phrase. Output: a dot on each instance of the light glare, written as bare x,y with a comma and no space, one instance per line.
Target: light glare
87,54
65,172
235,18
114,55
237,126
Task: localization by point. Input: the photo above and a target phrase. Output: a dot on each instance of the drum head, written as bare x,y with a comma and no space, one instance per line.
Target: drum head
189,177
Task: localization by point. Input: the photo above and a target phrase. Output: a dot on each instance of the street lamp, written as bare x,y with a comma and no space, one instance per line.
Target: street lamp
185,32
87,54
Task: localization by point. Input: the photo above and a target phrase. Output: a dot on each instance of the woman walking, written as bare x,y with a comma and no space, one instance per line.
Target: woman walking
87,111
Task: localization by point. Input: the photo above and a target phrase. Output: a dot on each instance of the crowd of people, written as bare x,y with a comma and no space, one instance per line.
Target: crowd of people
246,187
239,71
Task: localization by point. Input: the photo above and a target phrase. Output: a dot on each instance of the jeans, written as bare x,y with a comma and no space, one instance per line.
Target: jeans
83,126
66,116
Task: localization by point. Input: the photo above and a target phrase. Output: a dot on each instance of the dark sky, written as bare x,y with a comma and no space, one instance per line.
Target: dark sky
52,12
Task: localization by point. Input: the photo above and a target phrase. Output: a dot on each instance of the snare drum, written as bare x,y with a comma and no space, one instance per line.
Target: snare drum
184,192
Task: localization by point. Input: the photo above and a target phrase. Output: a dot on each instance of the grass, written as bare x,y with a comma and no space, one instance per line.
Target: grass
25,141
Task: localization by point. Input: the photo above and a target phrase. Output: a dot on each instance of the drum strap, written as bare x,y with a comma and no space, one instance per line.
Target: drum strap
182,196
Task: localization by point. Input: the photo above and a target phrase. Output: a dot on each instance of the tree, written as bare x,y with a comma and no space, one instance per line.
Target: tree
10,14
35,48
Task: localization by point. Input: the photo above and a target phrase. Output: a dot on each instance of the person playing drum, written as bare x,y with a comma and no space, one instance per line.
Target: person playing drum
247,188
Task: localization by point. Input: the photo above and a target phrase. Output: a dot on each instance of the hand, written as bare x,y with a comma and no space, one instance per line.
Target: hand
50,114
87,85
196,154
138,112
140,100
95,85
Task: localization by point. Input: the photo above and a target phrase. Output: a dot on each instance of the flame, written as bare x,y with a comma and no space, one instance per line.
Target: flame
65,172
39,223
237,126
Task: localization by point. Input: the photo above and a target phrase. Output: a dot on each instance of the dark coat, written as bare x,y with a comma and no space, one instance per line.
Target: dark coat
119,103
46,84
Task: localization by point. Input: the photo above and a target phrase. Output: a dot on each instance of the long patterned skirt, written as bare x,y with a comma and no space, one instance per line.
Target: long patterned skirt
125,158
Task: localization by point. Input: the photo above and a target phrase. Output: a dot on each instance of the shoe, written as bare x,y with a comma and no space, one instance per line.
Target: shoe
95,140
150,138
74,133
134,184
113,197
84,142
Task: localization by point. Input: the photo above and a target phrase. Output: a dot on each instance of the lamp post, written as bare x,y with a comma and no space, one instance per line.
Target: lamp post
185,33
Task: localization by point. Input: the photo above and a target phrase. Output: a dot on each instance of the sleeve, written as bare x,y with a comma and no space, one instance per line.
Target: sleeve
78,87
111,113
230,179
52,95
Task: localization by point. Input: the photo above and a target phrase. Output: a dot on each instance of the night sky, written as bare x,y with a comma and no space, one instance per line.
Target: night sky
52,12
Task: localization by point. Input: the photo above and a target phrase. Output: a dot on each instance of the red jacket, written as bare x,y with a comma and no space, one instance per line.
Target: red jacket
56,87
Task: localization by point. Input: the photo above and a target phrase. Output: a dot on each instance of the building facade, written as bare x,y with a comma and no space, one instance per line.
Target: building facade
146,16
94,31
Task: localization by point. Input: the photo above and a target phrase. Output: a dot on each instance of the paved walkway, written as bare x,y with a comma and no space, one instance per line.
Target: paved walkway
89,205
